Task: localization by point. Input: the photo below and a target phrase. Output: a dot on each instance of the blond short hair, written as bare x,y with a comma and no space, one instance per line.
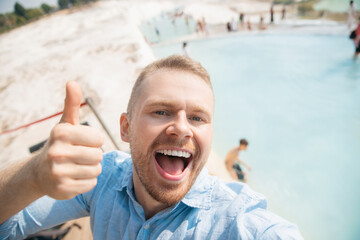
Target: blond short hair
173,62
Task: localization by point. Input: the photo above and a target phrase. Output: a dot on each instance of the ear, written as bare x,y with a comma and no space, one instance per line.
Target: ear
124,127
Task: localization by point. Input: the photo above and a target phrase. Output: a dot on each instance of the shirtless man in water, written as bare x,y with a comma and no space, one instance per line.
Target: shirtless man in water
233,162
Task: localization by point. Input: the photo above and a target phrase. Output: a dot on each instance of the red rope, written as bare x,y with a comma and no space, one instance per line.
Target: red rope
28,125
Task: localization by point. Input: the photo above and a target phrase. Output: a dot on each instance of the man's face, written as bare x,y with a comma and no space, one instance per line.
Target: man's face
243,147
170,133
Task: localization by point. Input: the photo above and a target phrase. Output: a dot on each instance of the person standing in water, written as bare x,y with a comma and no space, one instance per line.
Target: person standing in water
241,19
351,16
185,50
272,13
232,162
357,40
157,33
283,13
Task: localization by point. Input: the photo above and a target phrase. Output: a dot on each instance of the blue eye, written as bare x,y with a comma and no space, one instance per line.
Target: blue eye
162,113
198,119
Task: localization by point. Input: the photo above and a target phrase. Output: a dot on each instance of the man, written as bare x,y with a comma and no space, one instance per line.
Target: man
272,13
283,13
161,191
357,40
351,16
241,19
185,50
232,162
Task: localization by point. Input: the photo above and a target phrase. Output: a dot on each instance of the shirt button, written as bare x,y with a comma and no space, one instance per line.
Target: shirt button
147,226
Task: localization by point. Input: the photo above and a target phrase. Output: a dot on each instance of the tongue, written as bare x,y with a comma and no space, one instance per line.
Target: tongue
171,165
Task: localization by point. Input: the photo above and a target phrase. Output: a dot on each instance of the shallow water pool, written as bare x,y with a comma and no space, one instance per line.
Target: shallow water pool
335,5
164,28
296,98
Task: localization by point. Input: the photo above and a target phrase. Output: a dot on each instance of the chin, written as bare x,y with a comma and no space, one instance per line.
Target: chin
167,171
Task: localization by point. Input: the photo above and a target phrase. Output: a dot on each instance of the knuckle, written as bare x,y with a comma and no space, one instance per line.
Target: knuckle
60,132
93,183
59,187
99,136
101,139
99,155
57,174
52,152
63,192
95,171
55,153
98,169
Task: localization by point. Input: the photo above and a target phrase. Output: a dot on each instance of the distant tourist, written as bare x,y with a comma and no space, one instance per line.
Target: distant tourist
187,24
241,20
357,40
157,32
272,14
248,24
185,50
233,25
283,13
232,162
241,17
228,26
261,23
205,26
199,27
187,20
352,16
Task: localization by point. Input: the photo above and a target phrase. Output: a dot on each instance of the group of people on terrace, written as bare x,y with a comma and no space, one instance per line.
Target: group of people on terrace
245,21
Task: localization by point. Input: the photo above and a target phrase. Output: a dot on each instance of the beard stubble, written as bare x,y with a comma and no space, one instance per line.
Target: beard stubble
162,191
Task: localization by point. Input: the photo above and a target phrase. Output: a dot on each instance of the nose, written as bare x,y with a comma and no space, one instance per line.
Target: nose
180,126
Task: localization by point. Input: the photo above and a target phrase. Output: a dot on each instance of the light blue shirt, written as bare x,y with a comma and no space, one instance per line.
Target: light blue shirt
212,209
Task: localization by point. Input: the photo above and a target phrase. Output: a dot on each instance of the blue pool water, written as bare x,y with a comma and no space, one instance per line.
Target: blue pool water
336,5
169,28
296,98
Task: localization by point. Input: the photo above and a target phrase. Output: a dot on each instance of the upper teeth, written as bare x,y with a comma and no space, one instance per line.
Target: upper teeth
175,153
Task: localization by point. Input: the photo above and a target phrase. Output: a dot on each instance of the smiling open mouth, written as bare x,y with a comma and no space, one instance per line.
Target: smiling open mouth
172,163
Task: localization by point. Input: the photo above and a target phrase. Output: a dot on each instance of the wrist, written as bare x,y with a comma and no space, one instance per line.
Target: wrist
33,177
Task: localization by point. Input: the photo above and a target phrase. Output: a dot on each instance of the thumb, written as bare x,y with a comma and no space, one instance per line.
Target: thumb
72,103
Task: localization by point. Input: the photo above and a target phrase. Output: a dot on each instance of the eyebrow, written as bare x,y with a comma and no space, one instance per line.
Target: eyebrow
159,102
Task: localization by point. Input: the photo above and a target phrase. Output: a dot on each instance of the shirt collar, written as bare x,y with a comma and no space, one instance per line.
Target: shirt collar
199,195
124,177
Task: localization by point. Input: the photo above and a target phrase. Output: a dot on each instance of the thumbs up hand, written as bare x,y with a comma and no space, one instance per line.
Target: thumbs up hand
70,161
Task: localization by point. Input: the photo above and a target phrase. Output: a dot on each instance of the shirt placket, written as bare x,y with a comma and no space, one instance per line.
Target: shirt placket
147,228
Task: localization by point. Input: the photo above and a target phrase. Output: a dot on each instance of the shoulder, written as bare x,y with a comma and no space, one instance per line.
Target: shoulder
248,214
237,196
232,152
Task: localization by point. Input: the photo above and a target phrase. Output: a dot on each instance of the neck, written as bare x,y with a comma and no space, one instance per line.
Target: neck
149,204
